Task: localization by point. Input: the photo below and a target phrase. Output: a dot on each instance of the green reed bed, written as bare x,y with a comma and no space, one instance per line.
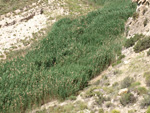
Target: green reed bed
74,51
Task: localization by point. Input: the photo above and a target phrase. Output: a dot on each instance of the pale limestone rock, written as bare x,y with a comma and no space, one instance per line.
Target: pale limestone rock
123,91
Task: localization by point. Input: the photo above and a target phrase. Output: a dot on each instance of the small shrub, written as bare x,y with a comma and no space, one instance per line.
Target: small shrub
115,84
97,82
101,111
134,84
148,53
135,15
148,110
132,111
100,99
146,100
144,11
127,98
72,97
109,104
147,78
142,45
89,93
115,111
141,90
116,63
131,41
127,82
121,57
145,22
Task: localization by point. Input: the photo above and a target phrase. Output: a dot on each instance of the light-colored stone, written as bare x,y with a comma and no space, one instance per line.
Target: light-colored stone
123,91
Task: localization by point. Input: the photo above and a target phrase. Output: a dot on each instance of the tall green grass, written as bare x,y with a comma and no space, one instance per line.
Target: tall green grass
74,51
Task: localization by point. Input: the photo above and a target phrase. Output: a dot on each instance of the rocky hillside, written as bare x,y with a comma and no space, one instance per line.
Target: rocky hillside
125,86
21,27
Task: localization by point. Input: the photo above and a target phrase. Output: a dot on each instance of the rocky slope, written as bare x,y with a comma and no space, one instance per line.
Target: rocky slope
18,29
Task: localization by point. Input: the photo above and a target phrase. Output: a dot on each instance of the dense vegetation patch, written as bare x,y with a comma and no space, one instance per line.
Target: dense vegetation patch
127,98
142,45
75,51
131,41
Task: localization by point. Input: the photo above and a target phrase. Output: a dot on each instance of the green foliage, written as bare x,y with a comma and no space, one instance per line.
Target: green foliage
148,110
89,93
135,15
142,45
145,22
121,57
75,51
148,53
115,84
116,63
127,98
132,111
141,90
134,84
100,100
115,111
146,100
72,97
101,111
126,82
147,78
131,41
